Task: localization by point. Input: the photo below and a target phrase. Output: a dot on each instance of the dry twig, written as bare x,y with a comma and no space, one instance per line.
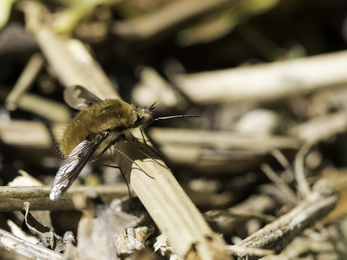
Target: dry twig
220,139
279,182
226,223
28,249
321,127
11,198
169,16
265,82
25,80
278,234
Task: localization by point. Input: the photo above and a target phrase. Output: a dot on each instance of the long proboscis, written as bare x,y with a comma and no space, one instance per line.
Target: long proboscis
177,116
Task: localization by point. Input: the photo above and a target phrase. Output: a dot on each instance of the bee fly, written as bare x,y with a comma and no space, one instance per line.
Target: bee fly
98,126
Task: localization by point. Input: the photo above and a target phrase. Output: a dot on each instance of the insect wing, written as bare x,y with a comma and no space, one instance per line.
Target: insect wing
73,165
79,98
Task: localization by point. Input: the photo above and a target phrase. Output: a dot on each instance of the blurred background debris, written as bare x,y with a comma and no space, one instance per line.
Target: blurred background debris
263,165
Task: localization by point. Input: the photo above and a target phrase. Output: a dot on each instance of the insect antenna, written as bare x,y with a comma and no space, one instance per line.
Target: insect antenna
171,117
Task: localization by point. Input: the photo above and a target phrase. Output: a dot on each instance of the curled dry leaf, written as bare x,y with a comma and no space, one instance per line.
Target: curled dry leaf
46,235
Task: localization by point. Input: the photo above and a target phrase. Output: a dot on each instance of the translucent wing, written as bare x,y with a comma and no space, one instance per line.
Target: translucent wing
73,165
79,98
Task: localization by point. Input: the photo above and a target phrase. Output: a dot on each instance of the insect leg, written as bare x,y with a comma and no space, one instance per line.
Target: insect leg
132,161
144,140
112,166
148,156
102,152
154,151
143,137
116,167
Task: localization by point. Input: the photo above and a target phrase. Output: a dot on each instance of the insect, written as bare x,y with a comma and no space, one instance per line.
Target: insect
98,126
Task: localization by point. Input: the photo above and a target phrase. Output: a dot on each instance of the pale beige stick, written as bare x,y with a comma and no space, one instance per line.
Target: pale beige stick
276,80
169,206
249,251
26,134
321,127
225,223
299,169
313,131
163,197
234,217
46,108
250,214
289,175
12,198
276,235
220,139
30,134
73,64
49,109
153,88
292,200
25,80
303,245
25,248
170,15
210,28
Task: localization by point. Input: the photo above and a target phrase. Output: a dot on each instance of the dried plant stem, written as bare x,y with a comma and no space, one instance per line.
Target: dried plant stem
28,249
26,78
25,134
299,165
279,182
249,251
321,127
169,16
284,162
170,207
255,205
278,234
12,198
73,64
49,109
220,139
265,82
